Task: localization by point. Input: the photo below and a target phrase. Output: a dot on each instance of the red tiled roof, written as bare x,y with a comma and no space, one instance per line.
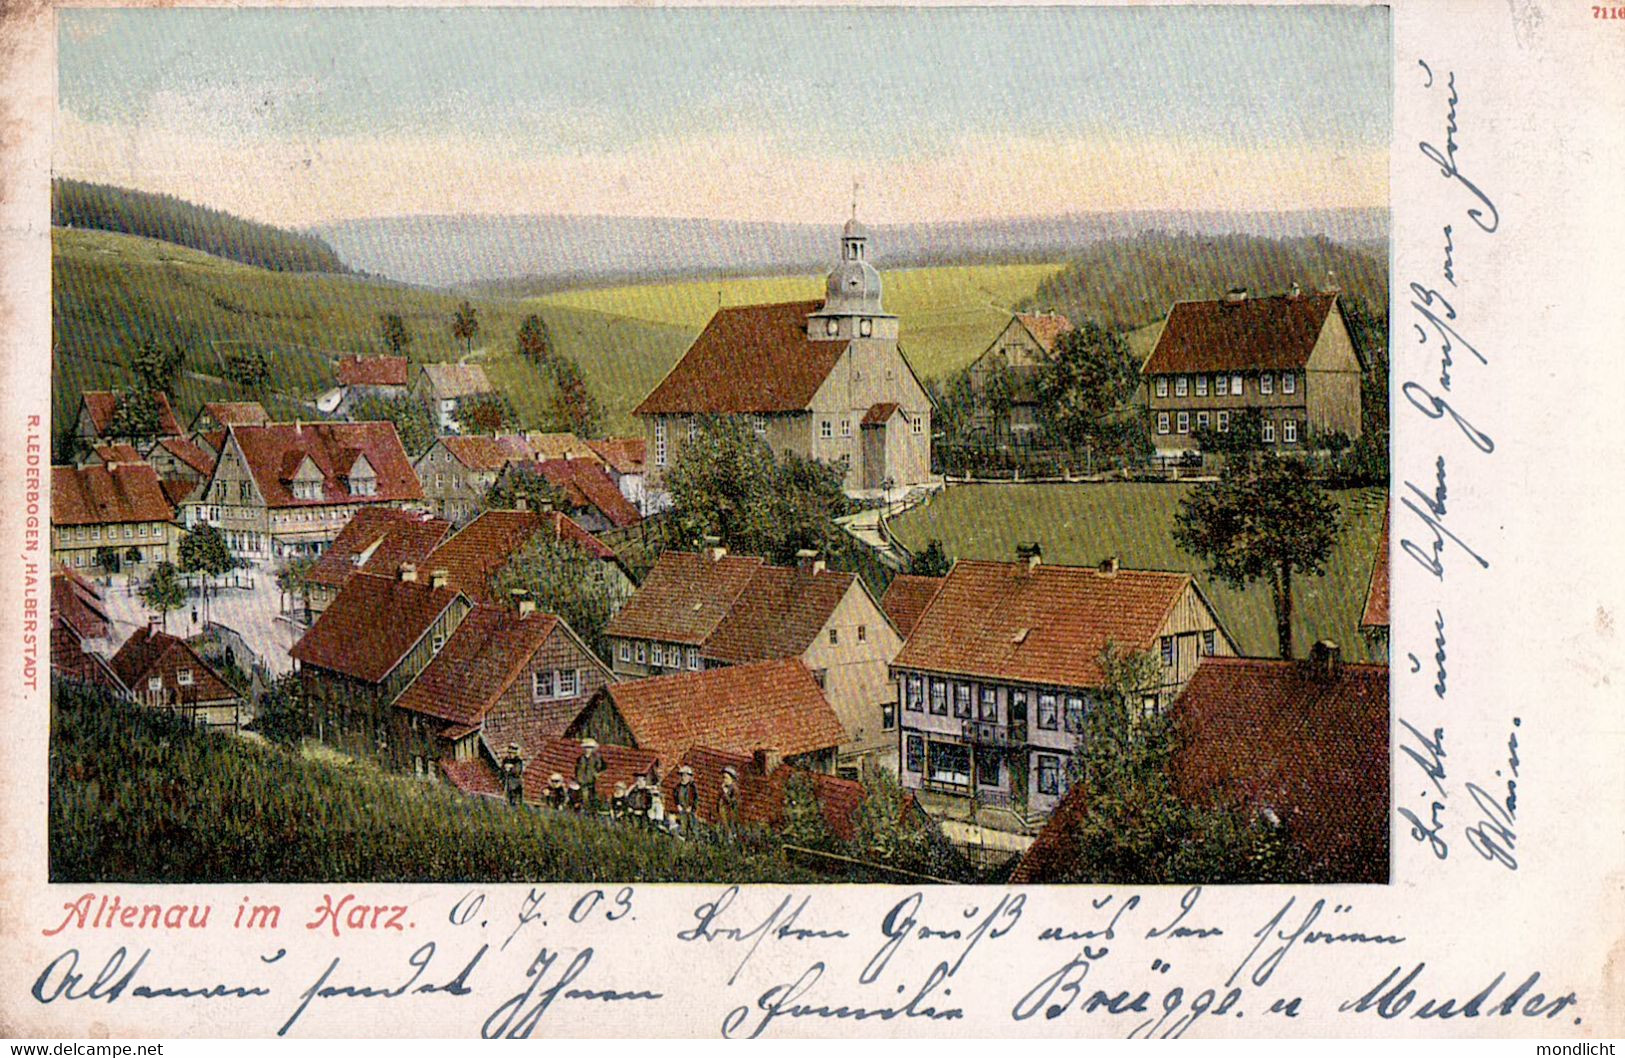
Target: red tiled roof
481,452
275,451
544,756
178,490
479,662
475,553
78,603
762,797
879,413
151,654
190,453
99,496
457,380
738,708
70,660
119,453
371,625
102,403
1376,593
400,536
906,599
753,358
237,413
1256,334
684,597
1312,747
477,777
588,484
624,455
1048,624
372,371
1045,327
778,614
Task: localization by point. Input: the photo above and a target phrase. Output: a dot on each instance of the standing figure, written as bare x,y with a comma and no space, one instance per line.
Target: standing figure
558,795
687,796
588,767
513,774
728,799
619,804
637,800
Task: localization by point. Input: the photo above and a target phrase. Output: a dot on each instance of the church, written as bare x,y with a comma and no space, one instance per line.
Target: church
822,379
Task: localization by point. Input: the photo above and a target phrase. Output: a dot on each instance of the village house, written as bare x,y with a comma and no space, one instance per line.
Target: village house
184,466
111,518
287,489
1374,615
214,417
1291,358
360,377
371,641
375,540
775,706
456,472
1018,354
1003,664
699,611
906,598
445,388
94,423
825,380
477,552
623,460
587,493
81,633
162,671
507,674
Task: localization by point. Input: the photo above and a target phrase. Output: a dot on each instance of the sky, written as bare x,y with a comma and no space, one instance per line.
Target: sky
300,117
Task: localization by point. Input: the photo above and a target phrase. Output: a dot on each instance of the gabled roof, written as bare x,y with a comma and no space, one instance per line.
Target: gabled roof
102,403
473,554
149,653
71,661
1305,739
178,490
684,597
236,413
588,484
386,536
481,452
1253,334
565,445
738,708
1045,327
456,380
907,596
879,413
371,625
99,495
275,452
778,614
623,455
480,660
1045,624
762,797
545,756
373,371
77,603
190,453
1375,614
751,358
118,453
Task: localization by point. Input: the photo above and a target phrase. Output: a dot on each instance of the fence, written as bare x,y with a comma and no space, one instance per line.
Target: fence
1021,462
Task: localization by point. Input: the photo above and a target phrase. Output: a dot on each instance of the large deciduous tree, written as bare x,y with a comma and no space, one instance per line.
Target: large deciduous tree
465,325
1086,386
563,580
156,365
413,422
136,418
522,481
574,408
204,551
1262,519
392,331
164,591
535,341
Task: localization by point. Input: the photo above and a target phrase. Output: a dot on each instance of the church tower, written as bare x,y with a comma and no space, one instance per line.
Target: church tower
852,306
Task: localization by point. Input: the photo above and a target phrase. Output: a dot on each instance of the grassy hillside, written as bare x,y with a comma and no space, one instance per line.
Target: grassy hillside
76,204
948,314
109,290
1082,524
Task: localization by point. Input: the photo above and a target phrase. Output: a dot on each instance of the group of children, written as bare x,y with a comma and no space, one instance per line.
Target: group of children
642,803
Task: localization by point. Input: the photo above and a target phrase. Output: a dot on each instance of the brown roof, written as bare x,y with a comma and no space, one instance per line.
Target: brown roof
274,452
777,616
77,603
684,597
99,495
150,654
480,660
753,358
392,536
1050,854
476,552
1376,593
70,660
762,797
879,413
624,455
372,371
237,413
371,625
587,484
1047,624
738,708
178,490
119,453
1045,327
476,776
566,445
906,599
1307,743
544,756
102,403
190,453
1256,334
480,452
457,380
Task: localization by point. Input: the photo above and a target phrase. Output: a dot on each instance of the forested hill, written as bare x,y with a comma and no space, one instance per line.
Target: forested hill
77,204
1127,283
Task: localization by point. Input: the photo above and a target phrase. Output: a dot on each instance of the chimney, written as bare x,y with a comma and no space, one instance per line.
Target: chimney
437,578
408,573
807,561
766,761
1108,566
1032,554
714,549
1326,657
1235,296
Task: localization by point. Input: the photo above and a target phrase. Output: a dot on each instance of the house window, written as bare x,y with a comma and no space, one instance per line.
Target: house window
989,708
1221,385
912,695
657,654
916,423
1289,430
365,486
140,530
888,716
866,327
96,533
863,633
183,677
1049,774
660,442
962,701
1162,422
1224,422
1235,385
949,763
155,683
1210,642
569,683
1266,383
987,766
1074,715
831,327
1046,712
758,425
1182,386
826,429
1184,422
641,654
1201,385
819,676
1201,420
939,698
846,427
541,685
1269,431
1167,650
694,658
1162,385
694,428
1289,382
914,753
626,650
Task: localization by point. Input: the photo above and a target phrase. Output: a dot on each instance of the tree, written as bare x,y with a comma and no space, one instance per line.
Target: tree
465,324
1245,436
293,579
804,822
283,714
136,418
999,393
1086,387
204,551
413,422
522,481
535,341
931,562
563,580
250,370
156,366
486,413
887,833
164,591
392,329
1262,518
574,408
107,560
67,447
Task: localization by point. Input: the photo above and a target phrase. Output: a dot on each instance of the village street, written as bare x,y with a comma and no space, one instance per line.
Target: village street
253,613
